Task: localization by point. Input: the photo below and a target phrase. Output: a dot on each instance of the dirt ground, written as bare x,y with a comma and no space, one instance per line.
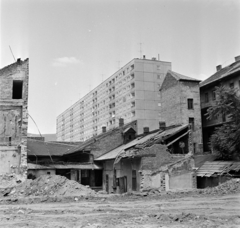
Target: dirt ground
122,211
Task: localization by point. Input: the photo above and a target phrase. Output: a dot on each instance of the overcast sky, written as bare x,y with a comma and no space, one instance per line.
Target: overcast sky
74,45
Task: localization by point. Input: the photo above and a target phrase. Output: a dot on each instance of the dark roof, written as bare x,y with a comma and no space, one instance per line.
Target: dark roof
41,148
224,72
180,77
88,145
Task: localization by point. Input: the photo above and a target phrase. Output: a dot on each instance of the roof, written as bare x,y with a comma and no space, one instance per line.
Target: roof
65,166
89,143
180,77
143,141
223,73
211,168
41,148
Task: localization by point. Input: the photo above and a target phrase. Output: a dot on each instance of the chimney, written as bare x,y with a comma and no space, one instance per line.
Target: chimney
144,57
237,58
19,60
153,58
219,67
145,130
121,122
104,129
162,125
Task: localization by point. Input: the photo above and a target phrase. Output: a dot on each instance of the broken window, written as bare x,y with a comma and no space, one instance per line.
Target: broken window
17,89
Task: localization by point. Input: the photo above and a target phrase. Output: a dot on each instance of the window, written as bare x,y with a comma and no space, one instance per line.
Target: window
17,89
206,97
190,103
191,123
231,85
214,95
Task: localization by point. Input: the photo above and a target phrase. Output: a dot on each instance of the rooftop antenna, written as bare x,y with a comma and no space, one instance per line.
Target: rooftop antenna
140,44
12,53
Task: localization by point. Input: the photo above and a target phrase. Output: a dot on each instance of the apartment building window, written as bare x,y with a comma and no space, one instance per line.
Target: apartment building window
190,103
206,97
191,123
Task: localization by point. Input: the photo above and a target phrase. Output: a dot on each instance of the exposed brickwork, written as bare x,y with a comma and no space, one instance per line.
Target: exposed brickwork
14,120
174,106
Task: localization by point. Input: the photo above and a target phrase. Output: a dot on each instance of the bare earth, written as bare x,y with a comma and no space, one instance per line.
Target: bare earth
128,211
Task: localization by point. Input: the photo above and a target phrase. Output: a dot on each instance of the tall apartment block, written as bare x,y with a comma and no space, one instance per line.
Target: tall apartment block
132,93
14,118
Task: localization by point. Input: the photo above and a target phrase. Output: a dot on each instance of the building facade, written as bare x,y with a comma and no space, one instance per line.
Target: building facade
228,77
132,93
14,118
180,104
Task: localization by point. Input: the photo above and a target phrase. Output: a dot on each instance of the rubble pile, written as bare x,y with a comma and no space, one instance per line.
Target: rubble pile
229,187
51,185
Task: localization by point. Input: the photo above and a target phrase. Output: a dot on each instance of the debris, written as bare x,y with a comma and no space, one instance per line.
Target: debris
50,185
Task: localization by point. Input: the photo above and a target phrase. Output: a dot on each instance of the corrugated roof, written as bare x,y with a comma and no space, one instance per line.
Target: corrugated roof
224,72
142,141
180,77
41,148
211,168
65,166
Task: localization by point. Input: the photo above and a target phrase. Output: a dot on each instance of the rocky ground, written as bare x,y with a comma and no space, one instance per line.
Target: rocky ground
215,207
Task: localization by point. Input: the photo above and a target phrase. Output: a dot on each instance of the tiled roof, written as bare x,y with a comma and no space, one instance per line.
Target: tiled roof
224,72
181,77
209,168
41,148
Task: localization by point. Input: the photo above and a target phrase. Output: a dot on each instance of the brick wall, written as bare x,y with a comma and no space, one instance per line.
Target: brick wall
174,106
14,120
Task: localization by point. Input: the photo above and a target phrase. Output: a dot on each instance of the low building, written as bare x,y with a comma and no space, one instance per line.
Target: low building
51,158
14,118
213,173
132,166
229,77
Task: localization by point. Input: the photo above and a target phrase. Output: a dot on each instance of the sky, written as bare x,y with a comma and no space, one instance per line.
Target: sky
73,45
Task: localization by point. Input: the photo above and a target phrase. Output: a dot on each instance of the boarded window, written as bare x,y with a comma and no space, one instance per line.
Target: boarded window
17,89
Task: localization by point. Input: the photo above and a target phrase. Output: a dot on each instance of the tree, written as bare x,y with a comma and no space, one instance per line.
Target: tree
226,138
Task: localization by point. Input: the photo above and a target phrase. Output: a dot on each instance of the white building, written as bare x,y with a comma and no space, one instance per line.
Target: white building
132,93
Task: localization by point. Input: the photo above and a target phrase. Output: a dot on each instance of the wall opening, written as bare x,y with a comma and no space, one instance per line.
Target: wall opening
17,89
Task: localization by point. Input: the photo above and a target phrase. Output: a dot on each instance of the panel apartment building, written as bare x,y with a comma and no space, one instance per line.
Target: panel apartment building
132,93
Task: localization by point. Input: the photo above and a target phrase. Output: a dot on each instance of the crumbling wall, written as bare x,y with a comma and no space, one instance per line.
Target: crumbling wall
164,170
13,122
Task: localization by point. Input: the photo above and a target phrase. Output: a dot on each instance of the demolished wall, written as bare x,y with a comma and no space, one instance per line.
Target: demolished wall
167,172
14,121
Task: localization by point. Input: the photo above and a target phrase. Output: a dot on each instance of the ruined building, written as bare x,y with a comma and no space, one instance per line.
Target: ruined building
131,93
14,118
